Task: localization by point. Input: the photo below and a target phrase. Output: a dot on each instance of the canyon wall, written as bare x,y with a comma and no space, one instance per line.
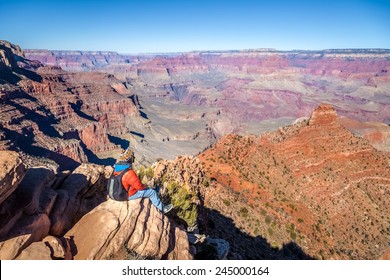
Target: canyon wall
47,112
243,92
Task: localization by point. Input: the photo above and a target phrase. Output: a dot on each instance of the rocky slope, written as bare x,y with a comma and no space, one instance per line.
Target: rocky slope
49,215
312,189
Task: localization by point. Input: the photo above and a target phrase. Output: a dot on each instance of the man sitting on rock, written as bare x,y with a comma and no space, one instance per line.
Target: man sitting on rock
132,183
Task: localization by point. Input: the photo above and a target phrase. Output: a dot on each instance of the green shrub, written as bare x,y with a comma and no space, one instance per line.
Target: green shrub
148,172
183,203
226,202
293,235
244,212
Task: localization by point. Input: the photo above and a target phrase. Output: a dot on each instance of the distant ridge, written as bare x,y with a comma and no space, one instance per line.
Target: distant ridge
256,50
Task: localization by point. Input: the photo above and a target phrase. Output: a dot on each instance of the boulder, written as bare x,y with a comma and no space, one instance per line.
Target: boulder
12,171
81,191
136,225
50,248
29,229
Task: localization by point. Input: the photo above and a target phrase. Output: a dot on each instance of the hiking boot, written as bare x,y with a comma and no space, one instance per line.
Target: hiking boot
167,208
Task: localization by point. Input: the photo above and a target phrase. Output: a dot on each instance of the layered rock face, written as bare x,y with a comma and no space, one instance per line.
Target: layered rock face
66,117
311,190
48,215
254,91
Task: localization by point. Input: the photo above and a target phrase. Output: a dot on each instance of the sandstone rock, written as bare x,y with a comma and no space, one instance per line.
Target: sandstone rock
60,248
32,197
136,224
7,51
35,251
323,115
386,254
81,191
28,230
29,192
94,136
60,178
11,248
12,171
50,248
179,245
119,88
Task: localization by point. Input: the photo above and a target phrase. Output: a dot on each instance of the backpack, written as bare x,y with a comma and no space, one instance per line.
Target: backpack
115,189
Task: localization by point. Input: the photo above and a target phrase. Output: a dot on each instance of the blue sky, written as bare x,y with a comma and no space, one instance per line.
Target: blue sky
171,26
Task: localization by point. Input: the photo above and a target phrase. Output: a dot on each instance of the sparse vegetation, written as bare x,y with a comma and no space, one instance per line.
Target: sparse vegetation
183,203
244,212
226,202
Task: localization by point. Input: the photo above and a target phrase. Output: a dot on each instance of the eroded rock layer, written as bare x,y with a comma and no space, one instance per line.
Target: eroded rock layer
191,99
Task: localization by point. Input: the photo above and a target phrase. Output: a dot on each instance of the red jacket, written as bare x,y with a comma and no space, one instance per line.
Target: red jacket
131,182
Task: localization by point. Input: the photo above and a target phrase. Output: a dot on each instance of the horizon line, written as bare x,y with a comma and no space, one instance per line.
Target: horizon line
254,50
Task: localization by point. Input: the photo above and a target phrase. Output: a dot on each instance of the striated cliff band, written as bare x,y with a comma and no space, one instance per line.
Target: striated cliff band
169,105
191,99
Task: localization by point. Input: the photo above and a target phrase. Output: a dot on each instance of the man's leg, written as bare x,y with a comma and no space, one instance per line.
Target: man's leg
152,195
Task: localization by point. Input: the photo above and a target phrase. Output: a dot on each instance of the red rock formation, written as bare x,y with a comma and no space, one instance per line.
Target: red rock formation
12,171
323,115
313,183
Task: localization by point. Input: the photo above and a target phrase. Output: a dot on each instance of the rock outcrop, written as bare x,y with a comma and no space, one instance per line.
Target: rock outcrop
184,170
136,225
66,215
323,115
12,171
7,55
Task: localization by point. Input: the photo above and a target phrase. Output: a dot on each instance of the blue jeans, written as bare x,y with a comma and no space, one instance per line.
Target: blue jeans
151,194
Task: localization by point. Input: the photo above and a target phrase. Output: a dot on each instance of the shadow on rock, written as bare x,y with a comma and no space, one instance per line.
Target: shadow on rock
244,246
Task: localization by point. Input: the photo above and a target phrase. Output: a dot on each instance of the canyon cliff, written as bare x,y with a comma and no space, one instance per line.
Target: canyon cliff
65,117
201,96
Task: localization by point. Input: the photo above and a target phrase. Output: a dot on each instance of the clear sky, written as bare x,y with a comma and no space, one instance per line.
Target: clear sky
183,25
